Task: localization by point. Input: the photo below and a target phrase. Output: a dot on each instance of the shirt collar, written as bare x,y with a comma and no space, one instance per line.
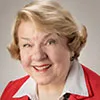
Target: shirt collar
28,88
75,84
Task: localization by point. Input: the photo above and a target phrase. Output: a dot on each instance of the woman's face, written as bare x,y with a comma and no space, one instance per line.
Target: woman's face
44,55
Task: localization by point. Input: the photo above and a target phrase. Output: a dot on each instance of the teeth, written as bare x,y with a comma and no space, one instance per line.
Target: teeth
41,68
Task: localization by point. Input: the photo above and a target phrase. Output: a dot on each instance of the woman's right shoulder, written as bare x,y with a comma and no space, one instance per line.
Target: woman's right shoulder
13,87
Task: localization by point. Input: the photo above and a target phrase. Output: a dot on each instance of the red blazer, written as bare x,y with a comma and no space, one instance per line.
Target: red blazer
92,82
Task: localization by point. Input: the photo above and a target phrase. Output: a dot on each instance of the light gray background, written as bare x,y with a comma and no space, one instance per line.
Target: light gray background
86,11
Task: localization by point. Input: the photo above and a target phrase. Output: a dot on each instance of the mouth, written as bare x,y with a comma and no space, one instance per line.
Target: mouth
42,68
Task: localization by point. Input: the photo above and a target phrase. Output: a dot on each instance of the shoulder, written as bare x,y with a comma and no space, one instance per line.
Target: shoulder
13,87
91,74
92,82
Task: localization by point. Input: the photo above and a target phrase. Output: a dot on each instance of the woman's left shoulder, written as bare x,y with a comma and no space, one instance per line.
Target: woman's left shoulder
93,83
92,78
90,74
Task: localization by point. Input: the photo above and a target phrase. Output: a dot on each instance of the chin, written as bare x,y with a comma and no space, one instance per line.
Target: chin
43,82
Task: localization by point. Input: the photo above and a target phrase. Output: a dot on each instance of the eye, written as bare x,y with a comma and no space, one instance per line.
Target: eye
27,45
51,41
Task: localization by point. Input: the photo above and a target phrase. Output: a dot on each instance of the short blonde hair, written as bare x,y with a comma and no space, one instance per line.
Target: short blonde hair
49,15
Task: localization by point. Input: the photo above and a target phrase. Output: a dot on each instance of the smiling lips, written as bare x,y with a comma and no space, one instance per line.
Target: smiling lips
42,68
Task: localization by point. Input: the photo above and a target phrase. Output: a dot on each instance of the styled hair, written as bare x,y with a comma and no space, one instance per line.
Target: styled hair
48,15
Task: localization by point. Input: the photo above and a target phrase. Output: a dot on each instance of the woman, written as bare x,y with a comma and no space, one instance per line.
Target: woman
47,41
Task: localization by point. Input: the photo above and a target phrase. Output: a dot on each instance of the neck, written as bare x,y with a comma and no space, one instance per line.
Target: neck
52,91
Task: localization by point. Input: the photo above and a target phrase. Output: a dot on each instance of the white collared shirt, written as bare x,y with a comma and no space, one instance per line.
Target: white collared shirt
75,84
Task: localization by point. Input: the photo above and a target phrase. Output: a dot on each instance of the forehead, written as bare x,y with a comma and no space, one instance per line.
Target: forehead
27,29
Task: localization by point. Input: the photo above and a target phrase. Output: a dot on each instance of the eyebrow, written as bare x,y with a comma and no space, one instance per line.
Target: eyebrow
46,36
28,39
25,38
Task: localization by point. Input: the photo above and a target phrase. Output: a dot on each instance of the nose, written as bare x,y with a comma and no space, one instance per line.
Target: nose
38,54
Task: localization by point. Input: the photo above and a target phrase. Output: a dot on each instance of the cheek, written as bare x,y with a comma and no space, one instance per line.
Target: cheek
60,55
25,59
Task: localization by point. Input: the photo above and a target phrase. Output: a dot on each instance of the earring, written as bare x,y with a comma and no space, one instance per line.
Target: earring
72,56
